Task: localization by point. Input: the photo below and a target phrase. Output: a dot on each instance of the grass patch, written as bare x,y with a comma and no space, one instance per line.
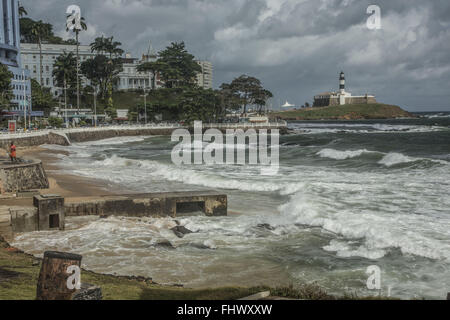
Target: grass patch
26,268
346,112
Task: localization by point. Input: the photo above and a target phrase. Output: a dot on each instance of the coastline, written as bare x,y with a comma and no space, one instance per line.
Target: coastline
64,184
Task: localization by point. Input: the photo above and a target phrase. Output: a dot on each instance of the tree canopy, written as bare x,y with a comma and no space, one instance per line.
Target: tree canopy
42,97
5,86
176,66
249,91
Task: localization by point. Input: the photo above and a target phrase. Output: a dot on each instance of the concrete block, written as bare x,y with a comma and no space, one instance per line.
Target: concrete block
51,212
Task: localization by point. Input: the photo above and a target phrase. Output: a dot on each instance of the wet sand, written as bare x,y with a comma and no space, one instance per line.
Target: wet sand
63,184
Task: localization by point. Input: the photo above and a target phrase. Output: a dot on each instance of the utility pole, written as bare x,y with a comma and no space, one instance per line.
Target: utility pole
145,105
65,102
95,107
24,101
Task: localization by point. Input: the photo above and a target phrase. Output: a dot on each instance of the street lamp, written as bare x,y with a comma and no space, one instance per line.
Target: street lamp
145,105
95,106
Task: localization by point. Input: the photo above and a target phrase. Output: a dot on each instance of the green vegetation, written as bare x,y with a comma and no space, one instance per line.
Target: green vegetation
5,87
42,97
55,122
103,70
247,91
345,112
48,36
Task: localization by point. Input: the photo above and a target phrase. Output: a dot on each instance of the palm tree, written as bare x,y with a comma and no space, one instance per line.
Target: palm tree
64,70
77,33
99,45
108,46
40,31
22,11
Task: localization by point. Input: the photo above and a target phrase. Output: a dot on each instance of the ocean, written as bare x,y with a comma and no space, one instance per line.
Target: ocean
348,195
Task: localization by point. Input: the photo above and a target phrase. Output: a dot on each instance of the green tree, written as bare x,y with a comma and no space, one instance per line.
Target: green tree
5,87
229,100
102,72
77,33
42,97
111,67
40,30
178,66
153,68
200,104
249,90
55,122
64,72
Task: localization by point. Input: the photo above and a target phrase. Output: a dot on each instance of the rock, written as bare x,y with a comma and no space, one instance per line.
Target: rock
165,244
35,262
181,231
88,292
266,226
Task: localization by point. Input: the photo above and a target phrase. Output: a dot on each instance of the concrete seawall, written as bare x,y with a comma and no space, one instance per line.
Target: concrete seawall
29,175
67,136
33,140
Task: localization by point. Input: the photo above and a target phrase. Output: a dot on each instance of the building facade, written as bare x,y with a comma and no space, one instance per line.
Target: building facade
341,97
10,55
205,78
131,79
50,52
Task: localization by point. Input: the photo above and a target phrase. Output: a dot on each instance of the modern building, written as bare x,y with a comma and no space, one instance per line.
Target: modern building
10,55
341,97
50,52
205,78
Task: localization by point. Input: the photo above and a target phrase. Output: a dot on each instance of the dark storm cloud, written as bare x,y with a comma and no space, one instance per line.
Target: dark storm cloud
296,47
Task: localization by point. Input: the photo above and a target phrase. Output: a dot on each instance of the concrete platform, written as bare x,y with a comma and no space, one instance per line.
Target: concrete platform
171,204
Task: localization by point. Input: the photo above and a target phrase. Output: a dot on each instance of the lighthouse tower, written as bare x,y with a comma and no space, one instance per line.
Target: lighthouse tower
342,83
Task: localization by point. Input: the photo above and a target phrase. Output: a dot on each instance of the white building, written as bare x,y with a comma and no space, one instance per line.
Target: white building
205,78
50,52
10,54
131,79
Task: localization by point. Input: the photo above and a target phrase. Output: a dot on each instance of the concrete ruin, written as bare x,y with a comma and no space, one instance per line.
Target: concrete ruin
171,204
50,211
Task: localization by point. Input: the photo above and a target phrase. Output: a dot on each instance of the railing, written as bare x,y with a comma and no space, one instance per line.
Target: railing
278,124
35,133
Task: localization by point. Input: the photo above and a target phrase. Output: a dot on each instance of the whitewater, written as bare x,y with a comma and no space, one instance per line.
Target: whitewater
348,195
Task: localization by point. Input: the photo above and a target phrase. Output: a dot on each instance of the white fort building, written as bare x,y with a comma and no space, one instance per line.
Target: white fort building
341,97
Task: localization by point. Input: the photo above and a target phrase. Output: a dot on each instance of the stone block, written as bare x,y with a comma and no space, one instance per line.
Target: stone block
51,212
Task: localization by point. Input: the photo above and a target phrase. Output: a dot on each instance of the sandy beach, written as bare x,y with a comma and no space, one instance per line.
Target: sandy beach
63,184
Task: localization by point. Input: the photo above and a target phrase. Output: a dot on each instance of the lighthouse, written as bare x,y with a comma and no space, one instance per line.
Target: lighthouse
342,83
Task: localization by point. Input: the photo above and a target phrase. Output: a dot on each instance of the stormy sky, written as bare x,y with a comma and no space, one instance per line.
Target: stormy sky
296,47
